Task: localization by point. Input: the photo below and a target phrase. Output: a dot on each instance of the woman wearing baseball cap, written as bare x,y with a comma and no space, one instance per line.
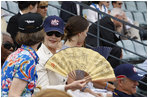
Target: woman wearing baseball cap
54,28
18,77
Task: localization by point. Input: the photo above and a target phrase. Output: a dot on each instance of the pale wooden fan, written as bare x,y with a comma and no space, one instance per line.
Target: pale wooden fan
79,58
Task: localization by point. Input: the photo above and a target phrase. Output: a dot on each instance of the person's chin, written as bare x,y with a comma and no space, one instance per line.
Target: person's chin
53,44
134,90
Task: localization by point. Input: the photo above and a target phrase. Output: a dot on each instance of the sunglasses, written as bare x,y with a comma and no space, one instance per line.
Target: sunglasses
8,45
57,34
43,7
119,3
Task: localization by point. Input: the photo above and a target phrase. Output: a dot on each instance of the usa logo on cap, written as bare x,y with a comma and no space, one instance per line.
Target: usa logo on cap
55,22
134,69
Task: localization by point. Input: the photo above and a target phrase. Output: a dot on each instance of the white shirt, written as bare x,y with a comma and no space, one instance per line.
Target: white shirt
93,15
46,77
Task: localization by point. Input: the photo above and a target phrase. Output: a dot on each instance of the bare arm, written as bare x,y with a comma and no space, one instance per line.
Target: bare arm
17,87
102,85
79,84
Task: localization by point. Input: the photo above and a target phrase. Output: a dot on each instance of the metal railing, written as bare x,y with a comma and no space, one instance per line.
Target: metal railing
98,26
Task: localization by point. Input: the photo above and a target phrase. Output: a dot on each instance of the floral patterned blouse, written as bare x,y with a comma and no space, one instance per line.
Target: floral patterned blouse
20,64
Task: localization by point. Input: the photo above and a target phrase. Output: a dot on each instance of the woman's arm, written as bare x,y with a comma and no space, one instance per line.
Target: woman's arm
103,85
79,84
17,87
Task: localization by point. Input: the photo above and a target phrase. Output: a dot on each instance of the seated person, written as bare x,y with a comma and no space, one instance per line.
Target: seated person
126,81
108,35
128,31
70,7
48,79
7,46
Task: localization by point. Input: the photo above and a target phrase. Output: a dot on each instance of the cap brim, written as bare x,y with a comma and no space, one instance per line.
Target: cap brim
54,29
136,77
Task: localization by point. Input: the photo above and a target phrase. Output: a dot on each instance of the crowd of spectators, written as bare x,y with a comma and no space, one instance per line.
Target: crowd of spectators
31,38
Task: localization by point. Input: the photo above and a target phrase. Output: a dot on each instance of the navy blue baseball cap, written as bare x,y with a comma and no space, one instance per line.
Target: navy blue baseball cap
54,23
127,70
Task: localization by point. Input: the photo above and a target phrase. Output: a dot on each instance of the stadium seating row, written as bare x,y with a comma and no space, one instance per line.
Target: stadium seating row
134,47
133,6
135,10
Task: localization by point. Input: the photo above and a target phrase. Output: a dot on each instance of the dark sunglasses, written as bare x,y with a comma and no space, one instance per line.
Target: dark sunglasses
57,34
119,3
43,7
8,45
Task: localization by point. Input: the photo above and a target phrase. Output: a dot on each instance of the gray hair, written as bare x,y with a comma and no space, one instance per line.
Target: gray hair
2,34
116,11
116,82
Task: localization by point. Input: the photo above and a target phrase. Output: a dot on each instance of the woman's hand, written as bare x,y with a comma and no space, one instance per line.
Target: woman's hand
76,85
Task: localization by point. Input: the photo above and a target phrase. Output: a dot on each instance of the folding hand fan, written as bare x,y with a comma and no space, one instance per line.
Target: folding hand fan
79,58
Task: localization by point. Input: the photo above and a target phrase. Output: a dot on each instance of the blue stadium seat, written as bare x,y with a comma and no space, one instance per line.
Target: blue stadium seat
3,4
145,47
138,16
130,5
129,15
127,44
134,47
13,7
123,6
141,6
145,16
52,10
140,49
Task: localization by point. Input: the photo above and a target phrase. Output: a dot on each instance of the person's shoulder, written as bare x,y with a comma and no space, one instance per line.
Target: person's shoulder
15,17
106,20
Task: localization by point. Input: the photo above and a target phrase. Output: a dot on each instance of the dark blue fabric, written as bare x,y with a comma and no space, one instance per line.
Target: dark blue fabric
117,93
70,7
104,51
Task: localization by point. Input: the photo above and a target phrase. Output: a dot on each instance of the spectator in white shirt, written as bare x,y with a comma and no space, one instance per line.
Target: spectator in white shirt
47,79
93,15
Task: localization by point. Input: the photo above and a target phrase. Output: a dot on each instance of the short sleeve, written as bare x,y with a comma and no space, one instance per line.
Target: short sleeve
25,69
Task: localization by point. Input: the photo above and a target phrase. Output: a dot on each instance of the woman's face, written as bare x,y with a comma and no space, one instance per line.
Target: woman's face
106,3
83,35
7,47
42,10
51,39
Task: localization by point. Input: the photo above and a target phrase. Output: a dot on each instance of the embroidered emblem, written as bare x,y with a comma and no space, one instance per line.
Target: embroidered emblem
55,22
29,21
134,69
